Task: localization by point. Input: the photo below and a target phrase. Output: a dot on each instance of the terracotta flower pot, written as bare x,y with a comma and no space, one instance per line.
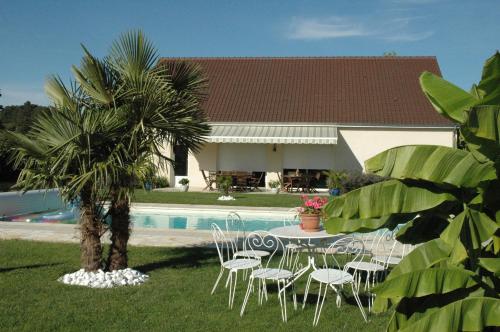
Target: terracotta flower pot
310,222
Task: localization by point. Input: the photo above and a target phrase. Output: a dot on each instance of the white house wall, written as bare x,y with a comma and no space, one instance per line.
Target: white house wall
354,146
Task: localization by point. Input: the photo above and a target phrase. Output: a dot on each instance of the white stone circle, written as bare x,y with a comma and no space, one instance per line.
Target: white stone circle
101,279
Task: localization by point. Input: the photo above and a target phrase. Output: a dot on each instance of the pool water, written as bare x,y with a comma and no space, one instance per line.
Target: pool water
166,218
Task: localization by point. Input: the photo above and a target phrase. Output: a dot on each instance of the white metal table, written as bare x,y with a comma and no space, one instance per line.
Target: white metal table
294,232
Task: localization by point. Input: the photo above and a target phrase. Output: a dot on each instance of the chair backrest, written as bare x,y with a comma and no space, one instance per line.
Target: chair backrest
225,248
388,246
235,224
399,249
343,250
263,240
291,217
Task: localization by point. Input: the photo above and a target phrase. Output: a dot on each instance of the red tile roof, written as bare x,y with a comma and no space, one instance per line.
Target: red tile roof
341,90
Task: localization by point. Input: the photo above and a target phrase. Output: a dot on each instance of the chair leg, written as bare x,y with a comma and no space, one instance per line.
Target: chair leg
234,287
264,289
218,279
315,323
247,295
228,279
317,304
294,296
307,291
231,299
358,301
281,300
284,301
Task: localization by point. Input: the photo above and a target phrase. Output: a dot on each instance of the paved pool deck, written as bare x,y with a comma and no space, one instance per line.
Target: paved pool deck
140,236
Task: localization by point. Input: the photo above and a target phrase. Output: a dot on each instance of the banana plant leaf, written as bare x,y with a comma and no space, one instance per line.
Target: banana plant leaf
424,282
336,225
480,228
447,98
438,164
491,264
452,232
469,314
482,132
422,229
484,122
385,198
490,81
422,257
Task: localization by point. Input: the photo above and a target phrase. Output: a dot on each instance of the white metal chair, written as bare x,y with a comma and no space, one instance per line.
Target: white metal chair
380,243
234,223
397,252
276,273
225,250
292,248
334,276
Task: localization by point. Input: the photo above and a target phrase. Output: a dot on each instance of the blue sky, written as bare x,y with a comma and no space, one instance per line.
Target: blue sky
39,38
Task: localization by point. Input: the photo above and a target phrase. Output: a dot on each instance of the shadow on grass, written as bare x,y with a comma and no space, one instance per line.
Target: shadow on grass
33,266
182,258
312,299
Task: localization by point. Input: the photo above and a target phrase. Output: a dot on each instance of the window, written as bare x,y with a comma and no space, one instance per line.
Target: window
180,165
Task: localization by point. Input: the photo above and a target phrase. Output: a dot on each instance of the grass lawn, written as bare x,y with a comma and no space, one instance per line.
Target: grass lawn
242,199
176,298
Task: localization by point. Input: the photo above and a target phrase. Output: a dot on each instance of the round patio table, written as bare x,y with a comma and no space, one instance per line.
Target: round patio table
294,232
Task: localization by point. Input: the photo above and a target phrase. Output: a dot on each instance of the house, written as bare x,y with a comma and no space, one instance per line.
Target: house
277,115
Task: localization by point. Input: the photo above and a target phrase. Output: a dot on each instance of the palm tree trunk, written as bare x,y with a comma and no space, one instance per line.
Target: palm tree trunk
90,233
120,234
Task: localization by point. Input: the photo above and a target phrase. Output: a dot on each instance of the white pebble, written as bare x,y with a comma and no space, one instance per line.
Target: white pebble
101,279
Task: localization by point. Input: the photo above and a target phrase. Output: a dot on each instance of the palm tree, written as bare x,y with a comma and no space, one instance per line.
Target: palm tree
105,134
68,147
156,104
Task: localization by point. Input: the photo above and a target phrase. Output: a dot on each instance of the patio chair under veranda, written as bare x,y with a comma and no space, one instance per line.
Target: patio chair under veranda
333,275
210,179
273,270
228,262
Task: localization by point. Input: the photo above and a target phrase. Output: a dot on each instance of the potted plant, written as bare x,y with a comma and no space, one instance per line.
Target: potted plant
310,213
334,181
275,186
184,184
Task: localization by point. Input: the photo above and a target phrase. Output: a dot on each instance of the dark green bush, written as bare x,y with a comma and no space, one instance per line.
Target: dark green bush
356,179
160,182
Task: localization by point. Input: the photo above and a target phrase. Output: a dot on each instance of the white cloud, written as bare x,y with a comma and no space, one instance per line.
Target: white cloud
332,27
18,95
386,27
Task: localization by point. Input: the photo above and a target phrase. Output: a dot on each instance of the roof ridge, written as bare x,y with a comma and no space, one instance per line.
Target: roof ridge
374,57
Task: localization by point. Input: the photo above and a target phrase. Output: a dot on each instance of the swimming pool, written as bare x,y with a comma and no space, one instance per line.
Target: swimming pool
169,218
